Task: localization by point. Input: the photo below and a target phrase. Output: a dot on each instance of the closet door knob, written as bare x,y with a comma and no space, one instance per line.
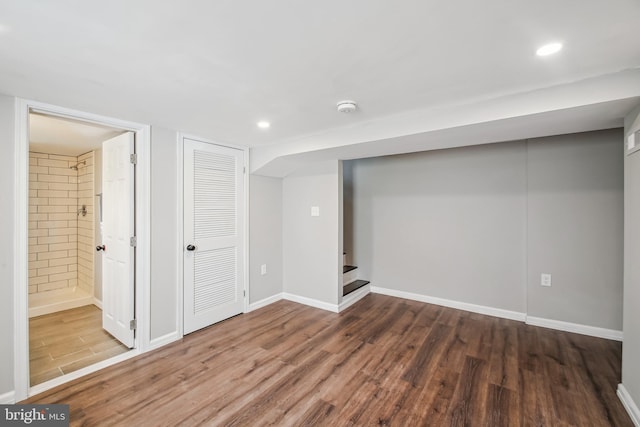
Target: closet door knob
100,248
191,248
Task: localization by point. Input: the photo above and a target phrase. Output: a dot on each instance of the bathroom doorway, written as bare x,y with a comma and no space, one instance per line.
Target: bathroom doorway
65,283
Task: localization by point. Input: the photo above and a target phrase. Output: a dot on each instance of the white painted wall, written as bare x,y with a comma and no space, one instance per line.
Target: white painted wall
479,225
631,328
265,237
312,245
7,256
575,228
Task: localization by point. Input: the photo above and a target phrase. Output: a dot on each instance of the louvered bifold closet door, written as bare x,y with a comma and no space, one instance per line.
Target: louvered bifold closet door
213,233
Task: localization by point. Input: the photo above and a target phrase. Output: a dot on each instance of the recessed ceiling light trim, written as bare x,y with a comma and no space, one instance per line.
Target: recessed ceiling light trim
263,124
549,49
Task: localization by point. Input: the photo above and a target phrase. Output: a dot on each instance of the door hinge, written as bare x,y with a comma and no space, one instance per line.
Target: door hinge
244,293
133,241
133,324
133,158
244,169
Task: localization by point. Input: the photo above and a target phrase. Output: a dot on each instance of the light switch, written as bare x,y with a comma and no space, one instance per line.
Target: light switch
263,269
315,210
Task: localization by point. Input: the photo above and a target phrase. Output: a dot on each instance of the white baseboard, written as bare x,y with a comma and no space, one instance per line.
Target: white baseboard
164,340
97,303
264,302
8,398
354,297
310,302
629,404
481,309
594,331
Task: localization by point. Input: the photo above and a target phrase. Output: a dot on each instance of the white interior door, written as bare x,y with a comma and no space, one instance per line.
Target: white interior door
213,233
117,230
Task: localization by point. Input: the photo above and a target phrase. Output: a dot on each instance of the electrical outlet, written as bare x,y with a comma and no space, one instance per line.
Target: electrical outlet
263,269
315,210
545,279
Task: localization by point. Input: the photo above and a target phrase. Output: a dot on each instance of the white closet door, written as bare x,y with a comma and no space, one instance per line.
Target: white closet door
117,230
213,233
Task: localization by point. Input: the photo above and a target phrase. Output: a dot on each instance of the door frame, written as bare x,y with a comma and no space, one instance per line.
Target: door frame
180,215
142,251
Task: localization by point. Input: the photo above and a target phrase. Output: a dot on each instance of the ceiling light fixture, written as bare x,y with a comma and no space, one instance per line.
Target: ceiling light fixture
549,49
263,124
347,106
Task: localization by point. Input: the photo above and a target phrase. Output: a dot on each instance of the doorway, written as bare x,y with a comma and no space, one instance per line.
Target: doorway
62,317
214,212
66,221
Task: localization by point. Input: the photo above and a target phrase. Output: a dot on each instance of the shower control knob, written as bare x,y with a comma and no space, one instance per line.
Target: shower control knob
191,248
100,248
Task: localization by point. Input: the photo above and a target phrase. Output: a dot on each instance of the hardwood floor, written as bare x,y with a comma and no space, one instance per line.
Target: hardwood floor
384,361
66,341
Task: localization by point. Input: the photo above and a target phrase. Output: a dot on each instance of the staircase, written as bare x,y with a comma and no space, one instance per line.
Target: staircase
350,281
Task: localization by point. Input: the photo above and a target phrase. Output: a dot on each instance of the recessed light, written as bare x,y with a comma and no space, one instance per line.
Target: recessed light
549,49
263,124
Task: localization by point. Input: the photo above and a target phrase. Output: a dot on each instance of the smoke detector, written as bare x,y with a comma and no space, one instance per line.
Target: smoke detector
347,106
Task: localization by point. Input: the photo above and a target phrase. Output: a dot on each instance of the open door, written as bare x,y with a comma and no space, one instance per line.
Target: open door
118,242
213,233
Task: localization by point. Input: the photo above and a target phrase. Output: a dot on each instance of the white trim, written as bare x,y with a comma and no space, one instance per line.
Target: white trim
47,385
180,232
60,306
474,308
594,331
265,302
354,297
164,340
8,398
181,136
97,303
629,404
20,287
310,302
143,287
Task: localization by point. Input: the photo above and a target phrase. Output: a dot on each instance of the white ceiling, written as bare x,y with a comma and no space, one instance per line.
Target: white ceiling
215,68
57,135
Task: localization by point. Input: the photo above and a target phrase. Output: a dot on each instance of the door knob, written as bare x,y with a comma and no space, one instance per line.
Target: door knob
100,248
191,248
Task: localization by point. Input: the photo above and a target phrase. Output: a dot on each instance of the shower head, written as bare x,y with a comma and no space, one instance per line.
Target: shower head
75,167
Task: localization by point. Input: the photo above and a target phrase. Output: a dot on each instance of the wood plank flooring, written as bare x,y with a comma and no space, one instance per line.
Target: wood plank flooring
385,361
68,340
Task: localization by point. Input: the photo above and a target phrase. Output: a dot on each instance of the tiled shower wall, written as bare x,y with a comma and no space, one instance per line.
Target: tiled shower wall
54,226
86,246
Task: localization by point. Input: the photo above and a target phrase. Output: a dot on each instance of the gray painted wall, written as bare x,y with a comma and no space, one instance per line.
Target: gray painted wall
575,228
265,237
631,345
479,225
312,245
164,226
347,199
7,187
448,224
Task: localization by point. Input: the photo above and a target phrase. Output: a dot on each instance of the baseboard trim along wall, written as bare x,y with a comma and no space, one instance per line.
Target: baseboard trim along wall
354,297
164,340
594,331
506,314
481,309
629,404
264,302
97,303
311,302
8,398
